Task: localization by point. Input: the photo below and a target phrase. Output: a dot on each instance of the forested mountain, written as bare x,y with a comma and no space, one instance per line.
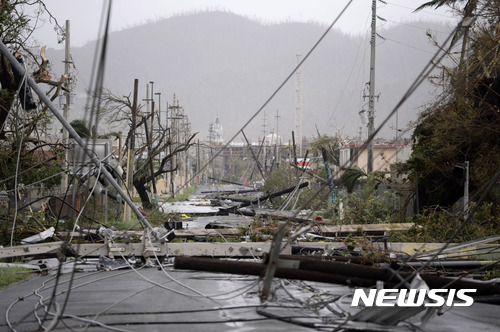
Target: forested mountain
223,65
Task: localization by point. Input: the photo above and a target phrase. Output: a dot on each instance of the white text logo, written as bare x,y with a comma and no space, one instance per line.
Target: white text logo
413,297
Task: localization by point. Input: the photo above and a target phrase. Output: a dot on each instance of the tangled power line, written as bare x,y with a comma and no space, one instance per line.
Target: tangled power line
54,312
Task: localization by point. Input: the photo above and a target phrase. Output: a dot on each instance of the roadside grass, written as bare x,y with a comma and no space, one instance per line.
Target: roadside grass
136,199
183,196
9,275
133,223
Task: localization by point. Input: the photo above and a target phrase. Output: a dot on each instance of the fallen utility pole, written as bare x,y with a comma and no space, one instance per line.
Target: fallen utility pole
229,182
274,214
279,193
259,269
163,249
258,156
237,199
256,160
272,261
235,192
329,272
256,201
21,71
302,169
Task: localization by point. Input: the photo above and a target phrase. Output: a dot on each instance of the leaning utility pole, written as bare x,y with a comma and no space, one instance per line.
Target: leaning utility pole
256,159
98,163
371,97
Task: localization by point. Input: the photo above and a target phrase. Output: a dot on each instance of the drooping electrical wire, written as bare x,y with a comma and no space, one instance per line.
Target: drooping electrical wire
60,313
22,84
93,110
268,100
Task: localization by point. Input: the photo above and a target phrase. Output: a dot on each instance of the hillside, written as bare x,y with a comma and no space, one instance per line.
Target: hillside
221,64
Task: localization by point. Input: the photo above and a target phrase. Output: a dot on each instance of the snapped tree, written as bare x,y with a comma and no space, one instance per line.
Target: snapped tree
24,123
162,149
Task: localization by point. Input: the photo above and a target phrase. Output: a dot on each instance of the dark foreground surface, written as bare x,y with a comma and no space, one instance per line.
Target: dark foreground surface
153,299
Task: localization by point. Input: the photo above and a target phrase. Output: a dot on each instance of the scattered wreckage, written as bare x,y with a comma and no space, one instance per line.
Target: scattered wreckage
305,251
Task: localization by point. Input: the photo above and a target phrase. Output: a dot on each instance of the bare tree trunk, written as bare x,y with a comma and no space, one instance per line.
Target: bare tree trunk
140,186
8,90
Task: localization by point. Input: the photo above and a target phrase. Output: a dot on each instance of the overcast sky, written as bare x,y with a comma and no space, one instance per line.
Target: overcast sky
85,15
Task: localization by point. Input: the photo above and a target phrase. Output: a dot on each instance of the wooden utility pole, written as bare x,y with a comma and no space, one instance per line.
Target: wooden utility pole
149,139
278,141
153,180
294,149
120,181
174,116
148,144
131,149
264,155
184,139
198,161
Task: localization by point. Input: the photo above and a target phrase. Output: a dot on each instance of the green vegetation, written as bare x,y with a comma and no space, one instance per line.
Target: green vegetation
81,128
464,124
262,230
438,225
136,199
132,224
9,275
183,195
22,143
330,144
350,177
368,207
493,274
307,198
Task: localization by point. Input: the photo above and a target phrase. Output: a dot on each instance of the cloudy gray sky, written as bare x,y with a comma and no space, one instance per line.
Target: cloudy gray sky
85,15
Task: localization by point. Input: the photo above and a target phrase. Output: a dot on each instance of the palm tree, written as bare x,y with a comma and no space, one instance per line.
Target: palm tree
350,176
81,128
467,11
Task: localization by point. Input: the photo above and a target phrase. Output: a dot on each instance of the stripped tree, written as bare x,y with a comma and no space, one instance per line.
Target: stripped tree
163,147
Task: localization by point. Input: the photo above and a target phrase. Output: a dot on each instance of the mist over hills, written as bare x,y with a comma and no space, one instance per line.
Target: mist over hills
223,65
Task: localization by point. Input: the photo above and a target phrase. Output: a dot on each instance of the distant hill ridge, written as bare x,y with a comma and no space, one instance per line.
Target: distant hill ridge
223,65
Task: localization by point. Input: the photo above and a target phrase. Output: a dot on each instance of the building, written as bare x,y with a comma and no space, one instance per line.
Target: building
353,154
218,132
